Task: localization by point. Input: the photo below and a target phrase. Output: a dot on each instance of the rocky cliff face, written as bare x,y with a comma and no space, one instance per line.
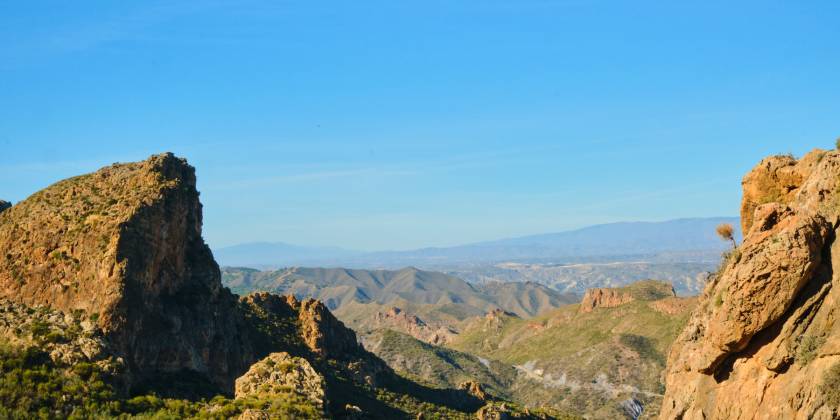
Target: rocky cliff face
764,339
124,245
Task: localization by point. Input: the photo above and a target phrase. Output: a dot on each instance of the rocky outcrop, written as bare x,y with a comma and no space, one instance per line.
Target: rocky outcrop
279,374
474,389
124,245
644,290
764,333
603,298
399,320
4,205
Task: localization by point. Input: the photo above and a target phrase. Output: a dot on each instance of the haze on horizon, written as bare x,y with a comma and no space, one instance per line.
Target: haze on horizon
382,125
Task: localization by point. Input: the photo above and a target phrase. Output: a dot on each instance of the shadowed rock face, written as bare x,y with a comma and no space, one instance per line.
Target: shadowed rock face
4,205
764,333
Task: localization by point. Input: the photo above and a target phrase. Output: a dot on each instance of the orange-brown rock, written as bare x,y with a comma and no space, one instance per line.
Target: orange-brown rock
399,320
474,389
764,334
775,180
604,298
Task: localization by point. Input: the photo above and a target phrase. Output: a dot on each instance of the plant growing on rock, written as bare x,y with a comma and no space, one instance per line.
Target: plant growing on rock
727,233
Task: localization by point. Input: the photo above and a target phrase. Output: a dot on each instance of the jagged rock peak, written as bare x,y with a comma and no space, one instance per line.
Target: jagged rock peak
124,244
763,338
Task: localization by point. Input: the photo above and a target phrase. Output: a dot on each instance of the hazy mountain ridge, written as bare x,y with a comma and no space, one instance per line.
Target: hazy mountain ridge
623,240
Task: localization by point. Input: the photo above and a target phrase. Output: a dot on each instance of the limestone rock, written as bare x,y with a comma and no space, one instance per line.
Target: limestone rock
764,331
278,374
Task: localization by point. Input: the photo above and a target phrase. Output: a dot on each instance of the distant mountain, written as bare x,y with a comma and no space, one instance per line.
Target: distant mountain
274,254
409,287
680,240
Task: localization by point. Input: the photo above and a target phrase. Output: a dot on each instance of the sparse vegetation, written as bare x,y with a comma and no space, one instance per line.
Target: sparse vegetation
831,386
33,386
808,346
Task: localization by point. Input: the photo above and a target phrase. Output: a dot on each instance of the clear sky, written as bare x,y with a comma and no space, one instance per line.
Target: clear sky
402,124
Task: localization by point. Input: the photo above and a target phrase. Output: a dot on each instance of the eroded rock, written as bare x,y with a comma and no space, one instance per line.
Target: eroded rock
764,331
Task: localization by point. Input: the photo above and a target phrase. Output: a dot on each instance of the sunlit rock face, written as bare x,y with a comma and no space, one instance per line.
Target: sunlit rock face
763,341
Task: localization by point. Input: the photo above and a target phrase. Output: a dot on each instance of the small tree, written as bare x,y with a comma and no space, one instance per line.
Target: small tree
727,233
837,143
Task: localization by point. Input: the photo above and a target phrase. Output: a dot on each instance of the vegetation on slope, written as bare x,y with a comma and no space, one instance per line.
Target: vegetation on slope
594,363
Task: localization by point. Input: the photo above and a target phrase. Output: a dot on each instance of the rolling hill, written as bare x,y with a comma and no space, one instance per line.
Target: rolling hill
341,289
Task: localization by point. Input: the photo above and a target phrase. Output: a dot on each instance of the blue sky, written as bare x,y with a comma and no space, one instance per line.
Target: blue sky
401,124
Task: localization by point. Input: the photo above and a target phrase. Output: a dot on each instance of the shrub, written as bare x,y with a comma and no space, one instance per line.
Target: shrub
727,233
830,387
808,346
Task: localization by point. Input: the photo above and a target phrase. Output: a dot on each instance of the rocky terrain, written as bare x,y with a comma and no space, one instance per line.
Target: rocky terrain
427,305
602,360
764,341
109,292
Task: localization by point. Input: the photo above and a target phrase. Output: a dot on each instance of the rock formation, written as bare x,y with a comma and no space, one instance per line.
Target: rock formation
4,205
603,298
764,339
124,245
645,290
399,320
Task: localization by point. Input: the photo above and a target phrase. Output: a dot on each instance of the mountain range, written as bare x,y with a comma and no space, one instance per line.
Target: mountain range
684,240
